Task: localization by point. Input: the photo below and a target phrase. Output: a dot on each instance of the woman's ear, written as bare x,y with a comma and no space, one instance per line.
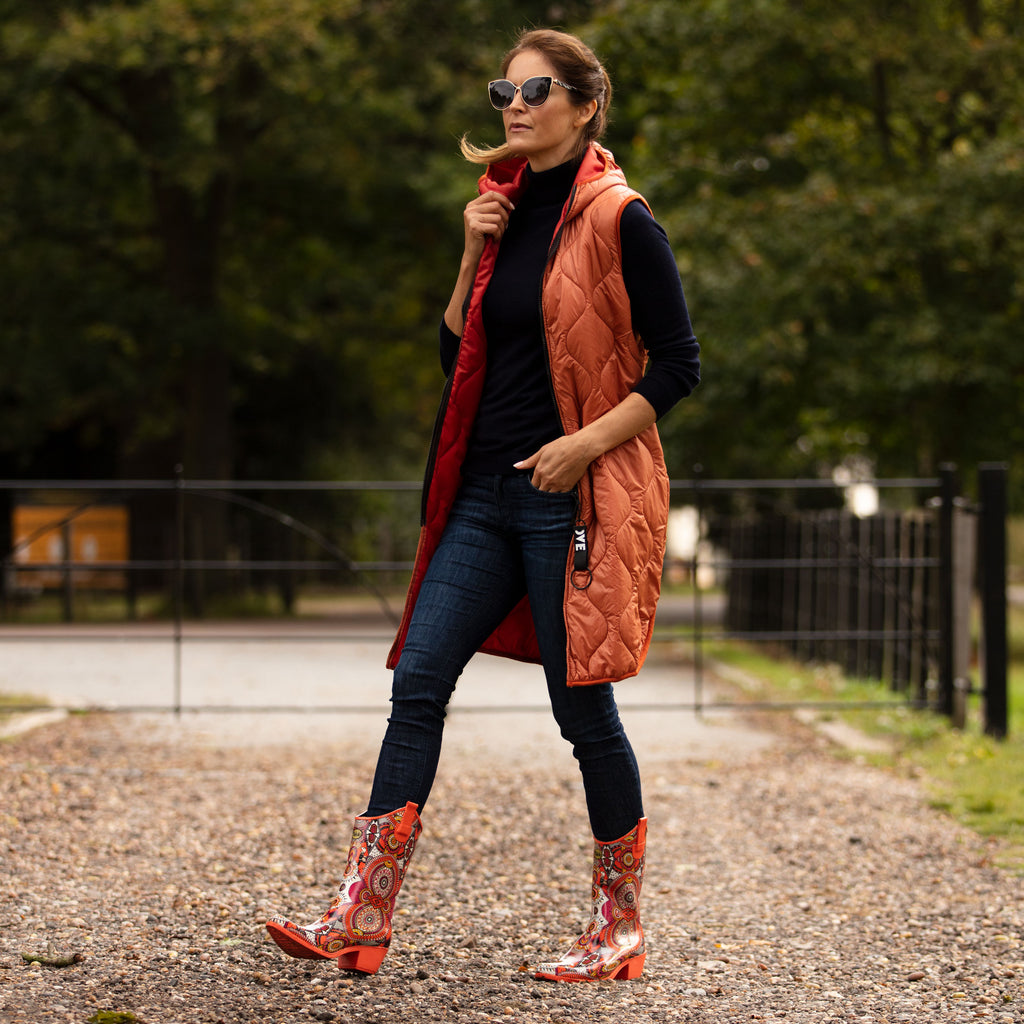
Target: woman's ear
585,113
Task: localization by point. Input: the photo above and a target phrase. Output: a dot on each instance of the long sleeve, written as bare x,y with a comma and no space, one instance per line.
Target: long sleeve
449,348
659,312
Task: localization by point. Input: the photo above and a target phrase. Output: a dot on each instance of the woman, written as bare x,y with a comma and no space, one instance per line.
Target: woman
546,496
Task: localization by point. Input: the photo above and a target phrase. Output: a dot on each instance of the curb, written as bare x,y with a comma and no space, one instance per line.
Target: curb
20,723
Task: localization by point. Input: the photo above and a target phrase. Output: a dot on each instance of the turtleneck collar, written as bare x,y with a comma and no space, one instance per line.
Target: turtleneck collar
552,185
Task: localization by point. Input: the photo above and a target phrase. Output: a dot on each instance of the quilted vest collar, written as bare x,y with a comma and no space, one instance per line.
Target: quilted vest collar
598,171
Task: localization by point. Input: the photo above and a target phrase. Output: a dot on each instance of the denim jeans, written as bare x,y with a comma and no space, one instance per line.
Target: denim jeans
503,539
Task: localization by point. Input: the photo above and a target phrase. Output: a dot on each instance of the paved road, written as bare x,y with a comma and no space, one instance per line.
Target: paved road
500,705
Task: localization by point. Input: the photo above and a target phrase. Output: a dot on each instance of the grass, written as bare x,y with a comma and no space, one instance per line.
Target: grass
1015,548
95,607
99,607
89,606
976,779
14,700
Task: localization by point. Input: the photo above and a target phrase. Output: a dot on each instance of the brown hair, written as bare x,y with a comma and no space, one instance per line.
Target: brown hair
576,65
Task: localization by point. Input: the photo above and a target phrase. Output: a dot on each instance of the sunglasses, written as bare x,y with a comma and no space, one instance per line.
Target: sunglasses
534,91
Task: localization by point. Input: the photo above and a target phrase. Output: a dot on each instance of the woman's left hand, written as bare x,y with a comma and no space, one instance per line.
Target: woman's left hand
560,464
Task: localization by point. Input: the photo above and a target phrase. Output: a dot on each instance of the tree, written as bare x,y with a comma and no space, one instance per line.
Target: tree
841,182
217,205
231,230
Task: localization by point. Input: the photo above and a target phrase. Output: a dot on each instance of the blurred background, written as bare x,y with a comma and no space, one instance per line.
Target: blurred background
228,231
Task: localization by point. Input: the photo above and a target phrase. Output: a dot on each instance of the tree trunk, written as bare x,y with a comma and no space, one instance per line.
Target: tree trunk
881,94
190,231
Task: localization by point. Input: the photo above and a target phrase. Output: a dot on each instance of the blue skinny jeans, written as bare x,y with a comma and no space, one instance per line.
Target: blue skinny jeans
503,539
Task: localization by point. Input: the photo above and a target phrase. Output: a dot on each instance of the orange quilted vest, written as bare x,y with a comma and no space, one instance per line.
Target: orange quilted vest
595,362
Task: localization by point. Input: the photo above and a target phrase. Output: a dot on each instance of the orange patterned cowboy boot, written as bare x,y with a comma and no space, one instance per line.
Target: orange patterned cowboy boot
612,946
356,929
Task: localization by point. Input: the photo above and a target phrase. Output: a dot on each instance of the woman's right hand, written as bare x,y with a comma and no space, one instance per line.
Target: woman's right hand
486,216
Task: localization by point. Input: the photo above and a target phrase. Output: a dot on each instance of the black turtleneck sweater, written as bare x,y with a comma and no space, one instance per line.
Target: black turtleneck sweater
517,412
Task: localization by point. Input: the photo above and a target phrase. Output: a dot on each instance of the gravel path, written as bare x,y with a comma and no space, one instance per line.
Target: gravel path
792,885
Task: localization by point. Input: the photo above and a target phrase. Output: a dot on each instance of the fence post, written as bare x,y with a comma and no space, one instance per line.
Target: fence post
992,546
179,578
698,607
67,574
947,496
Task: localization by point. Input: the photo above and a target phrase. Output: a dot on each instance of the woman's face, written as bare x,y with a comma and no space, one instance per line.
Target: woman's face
545,135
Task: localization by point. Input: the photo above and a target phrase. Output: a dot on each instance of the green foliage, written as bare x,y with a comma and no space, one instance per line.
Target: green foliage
841,183
229,229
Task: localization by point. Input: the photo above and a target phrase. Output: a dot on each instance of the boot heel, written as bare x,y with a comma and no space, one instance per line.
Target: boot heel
631,969
365,959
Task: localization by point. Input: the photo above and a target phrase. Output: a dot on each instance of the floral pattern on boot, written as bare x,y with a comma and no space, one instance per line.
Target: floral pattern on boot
356,928
612,944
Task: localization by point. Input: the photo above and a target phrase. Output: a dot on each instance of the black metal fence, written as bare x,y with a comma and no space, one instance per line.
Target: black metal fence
862,593
885,596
